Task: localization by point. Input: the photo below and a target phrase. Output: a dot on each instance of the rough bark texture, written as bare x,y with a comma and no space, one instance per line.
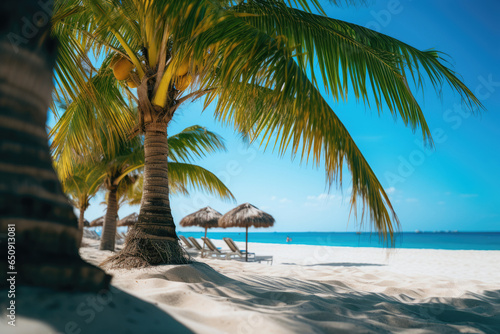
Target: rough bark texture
31,198
109,226
81,224
153,240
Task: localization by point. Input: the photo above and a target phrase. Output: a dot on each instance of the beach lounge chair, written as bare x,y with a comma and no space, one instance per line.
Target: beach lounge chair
199,248
217,252
118,238
208,251
188,247
251,256
186,242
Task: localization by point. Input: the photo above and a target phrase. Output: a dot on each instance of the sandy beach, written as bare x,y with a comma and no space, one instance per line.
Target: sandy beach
308,289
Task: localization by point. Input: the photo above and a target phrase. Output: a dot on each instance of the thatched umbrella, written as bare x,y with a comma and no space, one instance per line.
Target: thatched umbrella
97,222
246,215
129,220
206,217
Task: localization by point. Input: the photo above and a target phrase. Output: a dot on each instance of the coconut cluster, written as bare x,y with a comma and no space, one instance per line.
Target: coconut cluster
183,79
122,70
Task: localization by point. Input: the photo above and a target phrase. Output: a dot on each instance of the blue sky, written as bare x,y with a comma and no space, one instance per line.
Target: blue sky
452,187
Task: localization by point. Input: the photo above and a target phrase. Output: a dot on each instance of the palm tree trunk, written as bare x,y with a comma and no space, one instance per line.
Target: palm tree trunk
81,223
153,240
35,215
109,227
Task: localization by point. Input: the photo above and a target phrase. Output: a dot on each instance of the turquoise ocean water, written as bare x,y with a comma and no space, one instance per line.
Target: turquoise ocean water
427,240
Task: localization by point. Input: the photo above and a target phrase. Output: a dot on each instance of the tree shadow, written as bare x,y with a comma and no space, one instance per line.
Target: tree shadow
301,305
42,310
337,264
258,302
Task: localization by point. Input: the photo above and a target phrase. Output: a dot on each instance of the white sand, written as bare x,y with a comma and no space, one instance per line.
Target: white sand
308,289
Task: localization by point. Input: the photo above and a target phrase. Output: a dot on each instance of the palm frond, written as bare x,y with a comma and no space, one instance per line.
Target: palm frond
350,56
183,175
194,142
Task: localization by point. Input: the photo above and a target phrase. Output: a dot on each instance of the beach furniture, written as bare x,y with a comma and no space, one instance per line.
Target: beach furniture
217,252
118,238
246,215
88,234
251,256
186,242
206,218
200,249
94,235
195,243
188,247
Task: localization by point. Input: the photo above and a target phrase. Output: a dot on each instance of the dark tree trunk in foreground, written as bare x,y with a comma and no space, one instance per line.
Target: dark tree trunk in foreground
31,198
109,227
153,240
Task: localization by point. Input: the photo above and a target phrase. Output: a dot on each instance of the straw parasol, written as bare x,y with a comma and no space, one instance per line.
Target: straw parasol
246,215
130,220
97,222
206,217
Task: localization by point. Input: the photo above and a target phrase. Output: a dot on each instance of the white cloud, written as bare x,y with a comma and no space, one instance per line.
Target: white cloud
283,200
321,197
441,202
412,200
390,190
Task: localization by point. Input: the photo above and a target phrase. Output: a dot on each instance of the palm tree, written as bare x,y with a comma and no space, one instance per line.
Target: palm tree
115,168
263,62
118,172
86,134
78,187
32,203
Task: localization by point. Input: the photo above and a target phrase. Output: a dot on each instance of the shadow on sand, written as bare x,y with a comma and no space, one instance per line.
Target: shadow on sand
40,310
311,306
210,302
338,264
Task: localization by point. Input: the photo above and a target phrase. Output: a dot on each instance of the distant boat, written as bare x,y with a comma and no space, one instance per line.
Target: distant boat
418,231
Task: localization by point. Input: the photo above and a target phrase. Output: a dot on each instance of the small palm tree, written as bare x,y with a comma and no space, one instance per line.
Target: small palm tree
113,164
114,171
78,186
117,171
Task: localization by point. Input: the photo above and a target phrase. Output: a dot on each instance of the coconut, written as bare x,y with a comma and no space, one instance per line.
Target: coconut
131,83
183,82
122,69
183,69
